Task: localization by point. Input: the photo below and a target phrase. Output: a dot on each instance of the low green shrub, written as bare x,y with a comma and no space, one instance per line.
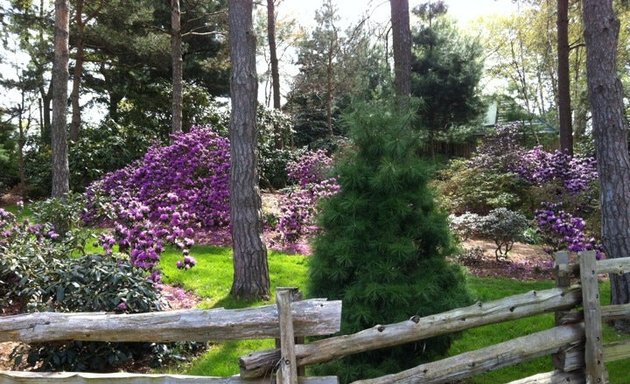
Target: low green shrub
66,216
504,227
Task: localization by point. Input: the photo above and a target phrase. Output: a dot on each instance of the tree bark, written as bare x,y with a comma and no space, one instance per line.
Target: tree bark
273,54
75,125
251,272
176,53
564,93
60,74
401,41
610,131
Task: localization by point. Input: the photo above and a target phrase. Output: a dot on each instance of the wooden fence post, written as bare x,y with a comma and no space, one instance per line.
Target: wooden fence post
594,351
287,372
570,358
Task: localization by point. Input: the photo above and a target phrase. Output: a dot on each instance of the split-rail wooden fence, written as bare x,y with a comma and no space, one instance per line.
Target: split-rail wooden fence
575,343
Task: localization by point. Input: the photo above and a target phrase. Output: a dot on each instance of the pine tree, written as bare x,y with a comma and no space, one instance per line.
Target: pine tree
383,242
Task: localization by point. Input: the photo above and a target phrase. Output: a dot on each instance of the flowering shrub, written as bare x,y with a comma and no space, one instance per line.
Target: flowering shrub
165,197
564,231
539,167
311,168
298,207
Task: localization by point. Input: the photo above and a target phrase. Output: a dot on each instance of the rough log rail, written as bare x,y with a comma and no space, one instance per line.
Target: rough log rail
553,378
7,377
310,318
381,336
482,360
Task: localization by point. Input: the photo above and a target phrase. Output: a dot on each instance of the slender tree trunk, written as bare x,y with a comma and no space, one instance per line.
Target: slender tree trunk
251,272
564,91
275,72
21,141
401,41
176,52
75,125
60,75
273,54
610,130
46,109
329,88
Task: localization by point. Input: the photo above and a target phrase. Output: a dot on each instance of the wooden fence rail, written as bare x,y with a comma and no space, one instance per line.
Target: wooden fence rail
576,342
287,319
314,317
415,329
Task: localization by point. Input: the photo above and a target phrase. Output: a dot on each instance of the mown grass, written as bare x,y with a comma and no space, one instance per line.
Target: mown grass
212,278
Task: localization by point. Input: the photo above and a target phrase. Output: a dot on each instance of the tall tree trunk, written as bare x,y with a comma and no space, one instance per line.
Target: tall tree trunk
45,111
564,92
251,272
273,54
329,88
176,52
610,130
21,142
75,125
401,41
60,74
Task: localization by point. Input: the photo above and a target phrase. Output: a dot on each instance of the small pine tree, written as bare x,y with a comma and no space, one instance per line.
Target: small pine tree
383,243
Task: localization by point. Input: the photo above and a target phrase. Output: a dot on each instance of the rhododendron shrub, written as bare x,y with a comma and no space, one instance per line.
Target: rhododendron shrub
165,197
562,230
299,205
567,185
538,167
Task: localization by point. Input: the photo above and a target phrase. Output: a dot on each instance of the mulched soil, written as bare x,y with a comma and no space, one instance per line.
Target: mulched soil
524,261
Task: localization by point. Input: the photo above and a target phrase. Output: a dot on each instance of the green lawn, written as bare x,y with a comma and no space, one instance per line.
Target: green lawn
212,278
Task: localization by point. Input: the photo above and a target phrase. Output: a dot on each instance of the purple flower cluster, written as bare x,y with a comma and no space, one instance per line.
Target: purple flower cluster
539,167
311,168
298,207
165,197
14,231
187,263
565,231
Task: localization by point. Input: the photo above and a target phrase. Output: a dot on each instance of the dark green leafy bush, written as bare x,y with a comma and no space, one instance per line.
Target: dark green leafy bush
37,274
383,243
66,216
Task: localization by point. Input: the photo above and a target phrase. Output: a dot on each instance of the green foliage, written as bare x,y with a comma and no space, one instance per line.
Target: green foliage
504,227
94,283
274,139
8,161
383,242
335,67
64,213
446,70
466,188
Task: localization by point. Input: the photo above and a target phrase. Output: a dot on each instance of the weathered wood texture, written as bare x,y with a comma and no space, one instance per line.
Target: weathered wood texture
615,312
310,318
570,358
553,378
617,351
594,351
9,377
288,367
619,266
497,356
382,336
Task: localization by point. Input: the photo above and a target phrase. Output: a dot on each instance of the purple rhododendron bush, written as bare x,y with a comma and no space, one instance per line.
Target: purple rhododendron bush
166,197
180,192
